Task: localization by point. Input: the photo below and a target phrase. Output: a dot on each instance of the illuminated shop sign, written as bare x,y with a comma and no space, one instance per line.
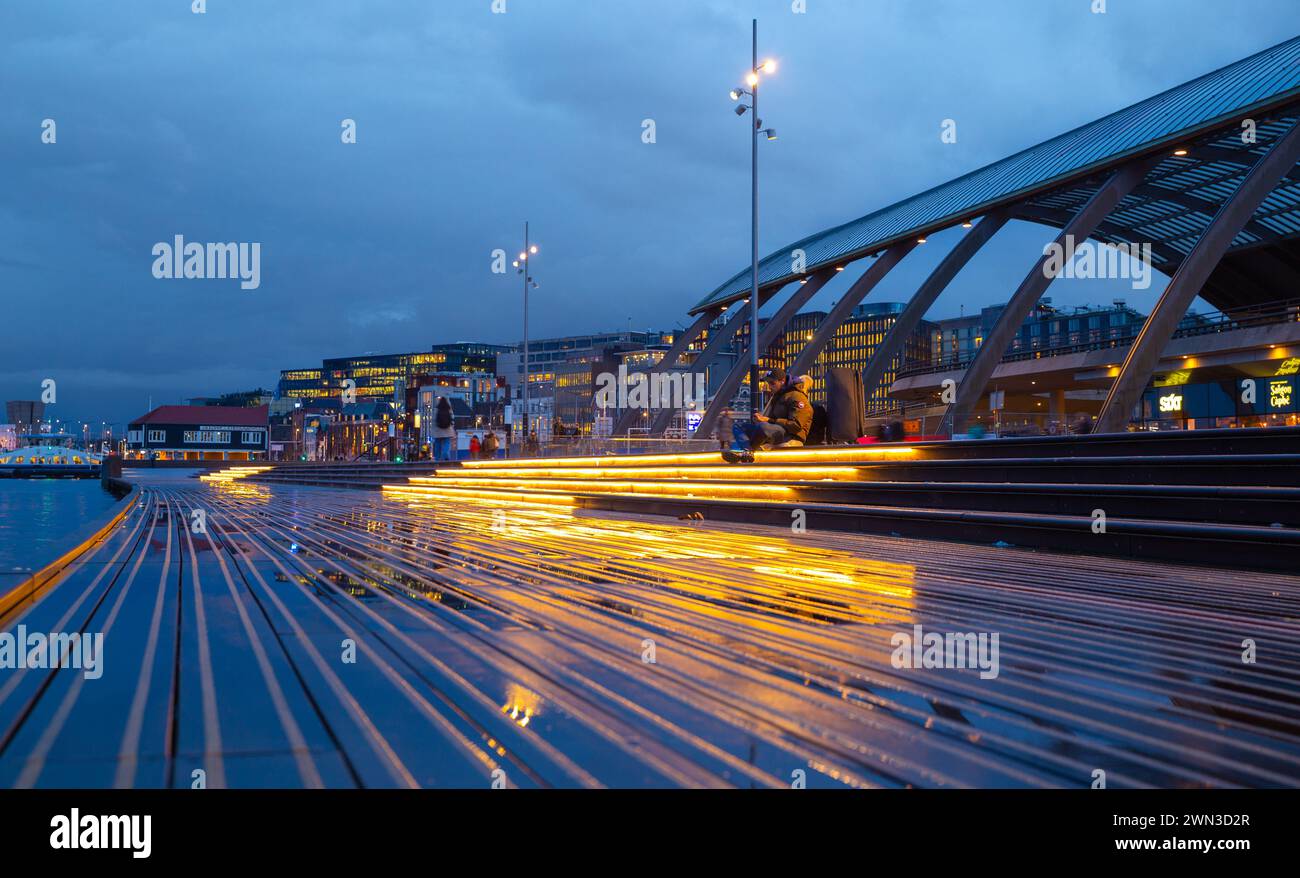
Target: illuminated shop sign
1279,394
1289,366
1173,402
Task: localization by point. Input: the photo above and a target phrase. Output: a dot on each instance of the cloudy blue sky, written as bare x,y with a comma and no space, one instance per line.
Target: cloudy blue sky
225,126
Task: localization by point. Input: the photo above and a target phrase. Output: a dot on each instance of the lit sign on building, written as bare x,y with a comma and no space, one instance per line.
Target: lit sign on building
1289,366
1279,394
1171,403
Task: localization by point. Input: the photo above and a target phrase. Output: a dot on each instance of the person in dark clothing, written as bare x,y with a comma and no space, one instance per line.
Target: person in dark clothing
488,450
786,418
443,431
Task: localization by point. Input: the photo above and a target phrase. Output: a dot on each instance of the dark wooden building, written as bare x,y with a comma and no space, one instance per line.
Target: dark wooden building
199,432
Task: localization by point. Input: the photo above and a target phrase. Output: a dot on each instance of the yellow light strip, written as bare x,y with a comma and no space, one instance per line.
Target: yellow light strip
233,473
730,473
788,455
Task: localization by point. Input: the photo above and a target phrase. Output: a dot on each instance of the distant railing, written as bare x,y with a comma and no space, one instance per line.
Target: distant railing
1285,311
978,425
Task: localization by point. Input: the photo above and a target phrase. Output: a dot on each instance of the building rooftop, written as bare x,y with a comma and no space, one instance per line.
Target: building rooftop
235,416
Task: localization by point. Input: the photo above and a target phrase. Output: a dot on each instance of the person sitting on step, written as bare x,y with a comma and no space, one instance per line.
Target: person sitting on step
785,419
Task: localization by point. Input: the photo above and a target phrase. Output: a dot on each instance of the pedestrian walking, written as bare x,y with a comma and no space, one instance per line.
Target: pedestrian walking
443,431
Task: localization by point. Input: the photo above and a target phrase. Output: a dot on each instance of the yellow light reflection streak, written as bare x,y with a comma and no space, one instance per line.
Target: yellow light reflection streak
609,486
683,563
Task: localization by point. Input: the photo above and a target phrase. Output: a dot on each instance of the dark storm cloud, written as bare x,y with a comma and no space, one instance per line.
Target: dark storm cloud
225,127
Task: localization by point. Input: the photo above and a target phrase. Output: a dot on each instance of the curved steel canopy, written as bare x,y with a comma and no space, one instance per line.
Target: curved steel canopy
1048,182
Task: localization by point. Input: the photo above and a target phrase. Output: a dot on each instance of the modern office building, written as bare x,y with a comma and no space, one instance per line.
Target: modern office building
549,356
577,406
853,345
1220,370
304,385
188,432
954,341
383,377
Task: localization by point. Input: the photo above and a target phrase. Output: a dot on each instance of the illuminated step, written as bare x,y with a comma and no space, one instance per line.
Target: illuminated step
842,455
756,472
234,473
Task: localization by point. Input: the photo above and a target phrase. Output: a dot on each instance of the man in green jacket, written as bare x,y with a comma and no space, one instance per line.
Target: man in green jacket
787,416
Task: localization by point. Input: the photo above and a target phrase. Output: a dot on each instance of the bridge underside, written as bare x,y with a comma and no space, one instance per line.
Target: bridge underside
1218,200
1175,203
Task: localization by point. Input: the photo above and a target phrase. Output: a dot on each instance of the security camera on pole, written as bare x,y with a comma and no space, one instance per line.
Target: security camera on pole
756,129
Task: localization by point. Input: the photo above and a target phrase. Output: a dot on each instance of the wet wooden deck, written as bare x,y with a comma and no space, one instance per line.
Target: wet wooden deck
508,643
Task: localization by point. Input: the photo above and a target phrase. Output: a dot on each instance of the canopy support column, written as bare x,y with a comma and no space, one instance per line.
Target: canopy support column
1078,229
1231,218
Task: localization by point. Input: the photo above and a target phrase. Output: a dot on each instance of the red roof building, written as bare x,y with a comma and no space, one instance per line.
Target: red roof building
199,432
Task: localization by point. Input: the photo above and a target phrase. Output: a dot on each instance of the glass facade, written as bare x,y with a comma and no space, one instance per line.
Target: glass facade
1241,402
378,377
853,344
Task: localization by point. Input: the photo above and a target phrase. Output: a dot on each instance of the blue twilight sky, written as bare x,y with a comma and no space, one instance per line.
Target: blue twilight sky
226,126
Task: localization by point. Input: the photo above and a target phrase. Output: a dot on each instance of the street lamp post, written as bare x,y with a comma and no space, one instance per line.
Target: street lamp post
755,129
521,264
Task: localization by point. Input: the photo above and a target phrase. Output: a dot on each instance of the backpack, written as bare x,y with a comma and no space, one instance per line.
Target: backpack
820,424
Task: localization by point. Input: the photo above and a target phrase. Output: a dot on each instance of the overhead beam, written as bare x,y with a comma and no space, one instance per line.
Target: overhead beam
1186,283
1121,182
681,343
926,295
774,327
844,307
1108,232
1196,204
1246,158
